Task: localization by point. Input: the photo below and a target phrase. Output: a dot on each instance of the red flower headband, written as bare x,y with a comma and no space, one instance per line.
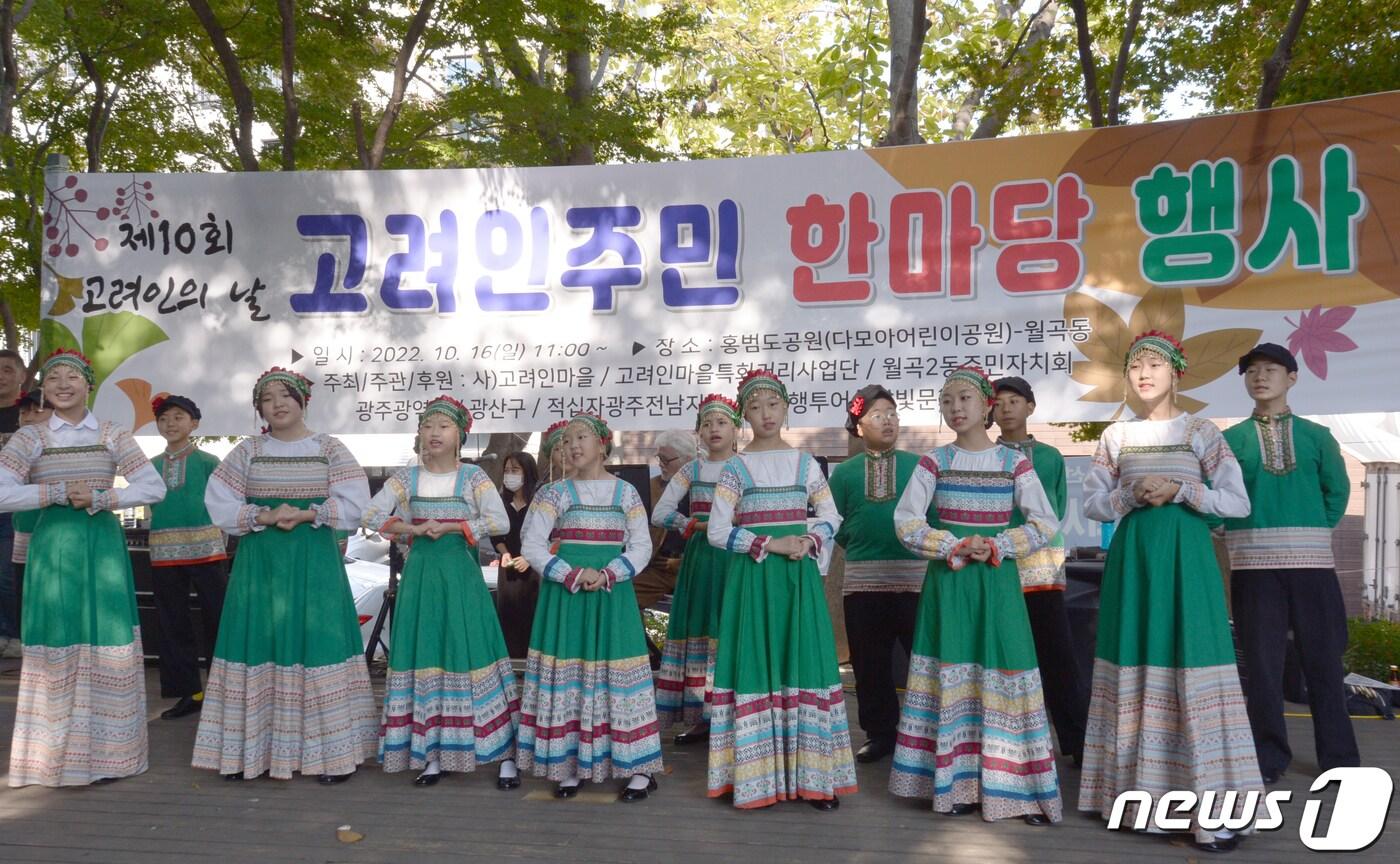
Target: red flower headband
856,407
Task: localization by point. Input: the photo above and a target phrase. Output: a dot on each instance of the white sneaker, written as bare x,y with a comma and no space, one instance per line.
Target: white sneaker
13,650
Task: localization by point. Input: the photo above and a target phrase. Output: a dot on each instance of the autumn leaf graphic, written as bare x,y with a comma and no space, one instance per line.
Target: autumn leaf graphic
1209,355
138,390
1118,157
70,291
1318,333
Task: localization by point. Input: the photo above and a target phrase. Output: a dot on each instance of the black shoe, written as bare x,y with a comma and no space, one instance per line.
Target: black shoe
184,708
424,779
1219,845
505,784
693,736
333,779
964,809
103,781
237,775
1037,819
875,749
630,794
1271,777
566,791
826,805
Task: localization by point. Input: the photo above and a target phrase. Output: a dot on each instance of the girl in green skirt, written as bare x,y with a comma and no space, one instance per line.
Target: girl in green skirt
686,678
1166,711
81,713
589,711
450,700
972,733
288,690
778,728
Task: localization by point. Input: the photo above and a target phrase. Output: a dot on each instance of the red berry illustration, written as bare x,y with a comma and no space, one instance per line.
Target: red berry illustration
72,250
52,233
103,212
80,195
70,181
100,244
155,214
53,251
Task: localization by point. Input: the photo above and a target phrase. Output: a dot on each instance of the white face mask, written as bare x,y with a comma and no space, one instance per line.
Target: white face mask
513,481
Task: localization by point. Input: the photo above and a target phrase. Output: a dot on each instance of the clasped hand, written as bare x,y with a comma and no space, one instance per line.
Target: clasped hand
79,495
978,548
1155,491
514,562
591,580
795,548
285,516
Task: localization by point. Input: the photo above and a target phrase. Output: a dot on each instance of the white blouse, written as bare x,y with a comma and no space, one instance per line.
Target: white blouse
550,504
228,505
1108,488
144,485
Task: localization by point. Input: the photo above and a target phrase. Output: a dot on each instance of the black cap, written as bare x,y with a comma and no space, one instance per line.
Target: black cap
30,398
867,396
182,402
1019,386
1270,351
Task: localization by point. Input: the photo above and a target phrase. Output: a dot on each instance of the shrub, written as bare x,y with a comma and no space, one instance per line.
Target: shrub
1372,648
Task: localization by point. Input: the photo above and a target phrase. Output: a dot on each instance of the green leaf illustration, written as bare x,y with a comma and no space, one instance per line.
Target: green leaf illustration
111,338
54,335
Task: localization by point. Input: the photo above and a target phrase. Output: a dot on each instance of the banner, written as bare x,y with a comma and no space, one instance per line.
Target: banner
633,290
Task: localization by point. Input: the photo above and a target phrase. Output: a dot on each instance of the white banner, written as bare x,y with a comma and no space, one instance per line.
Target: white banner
634,290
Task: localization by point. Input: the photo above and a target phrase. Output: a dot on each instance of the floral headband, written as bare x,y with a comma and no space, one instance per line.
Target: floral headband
295,382
760,379
450,408
974,376
1163,344
599,426
723,405
69,357
551,439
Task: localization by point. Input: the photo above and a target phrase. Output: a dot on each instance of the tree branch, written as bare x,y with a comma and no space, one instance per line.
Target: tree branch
816,105
416,26
1277,65
1120,69
233,75
291,122
904,107
1087,64
1041,26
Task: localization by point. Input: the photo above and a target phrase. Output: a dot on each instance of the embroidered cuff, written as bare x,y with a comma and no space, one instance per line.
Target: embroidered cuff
571,580
1002,548
1192,493
815,553
326,513
676,522
469,534
758,549
611,577
957,558
945,546
248,518
102,499
54,492
1122,500
691,527
555,570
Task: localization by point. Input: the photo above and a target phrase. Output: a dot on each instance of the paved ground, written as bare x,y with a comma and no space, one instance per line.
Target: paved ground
174,813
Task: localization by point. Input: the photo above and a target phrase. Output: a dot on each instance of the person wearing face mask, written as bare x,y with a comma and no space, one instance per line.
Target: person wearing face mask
881,592
1166,711
81,713
518,583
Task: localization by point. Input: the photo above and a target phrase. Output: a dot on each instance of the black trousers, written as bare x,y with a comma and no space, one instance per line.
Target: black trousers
1066,697
1267,604
179,646
875,622
517,594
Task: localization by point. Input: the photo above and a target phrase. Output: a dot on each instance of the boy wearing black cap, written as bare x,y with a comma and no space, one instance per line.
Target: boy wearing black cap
1043,573
883,579
186,549
1282,572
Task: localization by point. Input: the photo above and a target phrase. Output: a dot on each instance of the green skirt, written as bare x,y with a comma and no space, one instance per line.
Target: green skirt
81,709
288,689
450,694
686,679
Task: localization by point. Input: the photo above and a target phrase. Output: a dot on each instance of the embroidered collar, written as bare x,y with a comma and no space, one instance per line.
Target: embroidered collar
89,421
880,475
1272,418
181,453
1278,454
1025,446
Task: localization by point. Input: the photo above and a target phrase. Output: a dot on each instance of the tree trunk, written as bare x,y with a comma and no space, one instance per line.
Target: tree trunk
1120,69
908,25
1277,65
395,103
238,87
1087,64
1038,30
291,119
578,65
7,320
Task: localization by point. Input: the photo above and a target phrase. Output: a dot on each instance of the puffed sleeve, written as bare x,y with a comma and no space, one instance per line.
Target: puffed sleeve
390,504
490,510
821,530
225,495
1105,499
1029,497
665,513
911,523
16,492
538,528
1225,495
721,530
636,547
144,485
349,490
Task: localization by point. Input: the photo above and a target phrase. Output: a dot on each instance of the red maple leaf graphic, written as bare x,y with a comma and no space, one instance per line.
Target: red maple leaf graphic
1317,333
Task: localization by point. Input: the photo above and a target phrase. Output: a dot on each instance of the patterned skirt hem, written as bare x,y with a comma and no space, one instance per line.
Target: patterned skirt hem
459,719
685,682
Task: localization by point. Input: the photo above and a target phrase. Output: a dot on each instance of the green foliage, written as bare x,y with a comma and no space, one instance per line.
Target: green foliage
1372,648
1086,431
